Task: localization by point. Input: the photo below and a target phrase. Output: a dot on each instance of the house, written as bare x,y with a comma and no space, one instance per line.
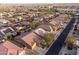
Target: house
40,32
1,36
76,43
8,48
38,19
3,50
43,29
30,39
53,22
4,21
3,24
8,30
77,27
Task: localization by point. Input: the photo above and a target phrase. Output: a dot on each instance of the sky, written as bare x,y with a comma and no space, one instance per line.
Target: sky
39,1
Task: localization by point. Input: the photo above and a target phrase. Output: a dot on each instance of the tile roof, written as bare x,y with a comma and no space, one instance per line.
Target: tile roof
3,50
41,32
45,27
12,48
31,38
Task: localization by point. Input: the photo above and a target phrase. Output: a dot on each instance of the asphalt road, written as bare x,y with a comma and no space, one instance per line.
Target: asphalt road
57,45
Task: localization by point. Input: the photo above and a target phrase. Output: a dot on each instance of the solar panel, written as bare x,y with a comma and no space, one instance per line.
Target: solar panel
1,35
8,30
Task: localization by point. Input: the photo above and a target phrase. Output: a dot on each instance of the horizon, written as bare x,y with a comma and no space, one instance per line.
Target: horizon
39,1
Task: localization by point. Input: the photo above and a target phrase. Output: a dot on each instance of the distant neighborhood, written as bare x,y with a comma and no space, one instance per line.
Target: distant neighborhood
32,30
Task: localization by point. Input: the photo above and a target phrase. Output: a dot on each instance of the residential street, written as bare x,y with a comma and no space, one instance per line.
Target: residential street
57,45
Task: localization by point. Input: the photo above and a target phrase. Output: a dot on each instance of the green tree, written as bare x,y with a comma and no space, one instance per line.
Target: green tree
32,19
46,10
67,17
33,24
9,37
48,38
70,13
70,41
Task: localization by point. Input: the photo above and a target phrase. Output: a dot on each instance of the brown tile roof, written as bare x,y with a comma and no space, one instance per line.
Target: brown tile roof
12,48
31,38
3,50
